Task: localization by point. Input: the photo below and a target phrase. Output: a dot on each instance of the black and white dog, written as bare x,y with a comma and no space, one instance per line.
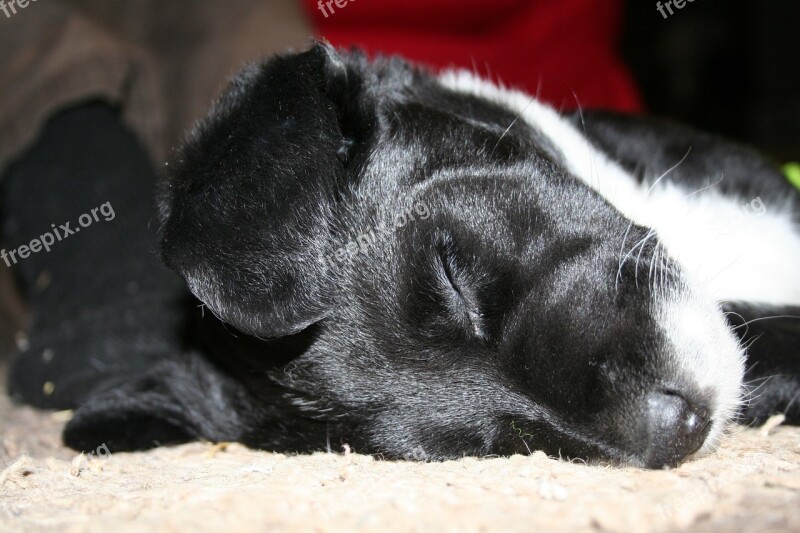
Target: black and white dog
432,267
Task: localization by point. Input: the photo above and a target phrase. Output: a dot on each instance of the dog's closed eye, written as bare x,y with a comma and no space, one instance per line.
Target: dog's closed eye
461,299
443,293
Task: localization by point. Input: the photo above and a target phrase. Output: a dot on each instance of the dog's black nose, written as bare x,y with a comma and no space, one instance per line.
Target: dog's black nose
676,427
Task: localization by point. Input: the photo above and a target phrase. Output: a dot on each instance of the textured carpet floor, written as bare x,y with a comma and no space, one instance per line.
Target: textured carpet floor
751,484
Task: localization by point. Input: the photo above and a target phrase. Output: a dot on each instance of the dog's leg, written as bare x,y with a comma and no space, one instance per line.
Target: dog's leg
772,380
220,390
101,305
651,148
178,399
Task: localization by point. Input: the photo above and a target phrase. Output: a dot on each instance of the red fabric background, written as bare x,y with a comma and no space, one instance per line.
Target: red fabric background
546,47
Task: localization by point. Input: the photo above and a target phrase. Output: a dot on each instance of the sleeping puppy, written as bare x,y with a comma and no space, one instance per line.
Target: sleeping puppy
431,267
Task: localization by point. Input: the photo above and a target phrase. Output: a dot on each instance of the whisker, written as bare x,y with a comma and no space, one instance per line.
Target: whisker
786,411
750,391
748,370
751,424
749,397
579,106
639,243
662,265
752,400
511,125
621,260
706,187
726,313
654,266
752,341
744,323
765,318
662,176
650,234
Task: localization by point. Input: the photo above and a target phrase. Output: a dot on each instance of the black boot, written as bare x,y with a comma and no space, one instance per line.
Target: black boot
80,233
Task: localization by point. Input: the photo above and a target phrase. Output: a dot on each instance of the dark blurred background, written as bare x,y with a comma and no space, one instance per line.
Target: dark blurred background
728,66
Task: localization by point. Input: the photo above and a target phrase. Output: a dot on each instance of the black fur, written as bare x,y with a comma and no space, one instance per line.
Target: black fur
488,320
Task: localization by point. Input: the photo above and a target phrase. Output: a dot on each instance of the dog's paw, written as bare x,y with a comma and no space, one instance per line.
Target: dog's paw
178,400
772,395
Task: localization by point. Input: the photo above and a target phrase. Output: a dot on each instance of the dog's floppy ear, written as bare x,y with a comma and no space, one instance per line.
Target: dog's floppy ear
245,209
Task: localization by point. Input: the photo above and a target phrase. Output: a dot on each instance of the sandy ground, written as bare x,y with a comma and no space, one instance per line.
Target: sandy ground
751,484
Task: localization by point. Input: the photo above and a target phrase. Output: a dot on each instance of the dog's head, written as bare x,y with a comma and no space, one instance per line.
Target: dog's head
467,294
